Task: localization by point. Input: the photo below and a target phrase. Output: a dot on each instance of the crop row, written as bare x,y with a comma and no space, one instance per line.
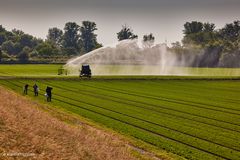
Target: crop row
161,130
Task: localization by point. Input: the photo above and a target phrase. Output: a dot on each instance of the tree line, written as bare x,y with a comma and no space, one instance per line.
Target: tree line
207,46
202,43
73,40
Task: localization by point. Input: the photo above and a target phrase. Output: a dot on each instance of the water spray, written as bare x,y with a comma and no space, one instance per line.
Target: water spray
128,57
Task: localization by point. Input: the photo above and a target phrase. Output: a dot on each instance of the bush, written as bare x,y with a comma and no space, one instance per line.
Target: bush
24,54
47,49
230,60
70,51
34,53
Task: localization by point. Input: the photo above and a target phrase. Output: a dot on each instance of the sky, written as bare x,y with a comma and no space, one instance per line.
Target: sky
163,18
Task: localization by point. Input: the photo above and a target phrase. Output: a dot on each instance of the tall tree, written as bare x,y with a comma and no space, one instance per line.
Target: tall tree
198,33
55,35
8,47
231,31
192,27
71,37
2,29
126,33
24,55
17,32
27,40
16,35
208,27
47,48
3,37
148,40
88,38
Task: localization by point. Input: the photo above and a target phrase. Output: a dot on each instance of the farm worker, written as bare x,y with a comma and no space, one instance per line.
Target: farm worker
25,89
49,93
35,89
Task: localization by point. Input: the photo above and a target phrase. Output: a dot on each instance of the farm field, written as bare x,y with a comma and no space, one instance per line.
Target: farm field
196,119
46,70
29,70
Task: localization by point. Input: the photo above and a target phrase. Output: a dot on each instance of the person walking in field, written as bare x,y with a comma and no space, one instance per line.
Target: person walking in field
49,93
25,90
35,89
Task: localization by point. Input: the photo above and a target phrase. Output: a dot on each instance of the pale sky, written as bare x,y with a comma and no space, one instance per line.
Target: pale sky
163,18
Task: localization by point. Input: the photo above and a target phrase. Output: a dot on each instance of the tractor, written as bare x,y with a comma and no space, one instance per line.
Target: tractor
86,71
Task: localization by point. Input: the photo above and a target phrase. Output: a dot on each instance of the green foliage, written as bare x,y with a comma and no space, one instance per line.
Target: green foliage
16,41
34,53
126,33
17,32
216,44
231,31
2,38
4,55
148,40
198,34
199,38
8,47
88,38
203,34
24,55
98,45
71,36
2,29
230,36
74,40
47,49
70,51
208,27
11,48
55,35
192,27
27,40
148,37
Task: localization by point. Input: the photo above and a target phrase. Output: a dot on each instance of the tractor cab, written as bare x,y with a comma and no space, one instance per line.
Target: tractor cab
85,71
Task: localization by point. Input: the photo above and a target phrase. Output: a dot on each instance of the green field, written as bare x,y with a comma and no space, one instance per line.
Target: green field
43,70
196,119
29,70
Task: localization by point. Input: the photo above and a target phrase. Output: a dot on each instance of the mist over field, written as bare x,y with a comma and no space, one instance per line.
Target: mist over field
134,57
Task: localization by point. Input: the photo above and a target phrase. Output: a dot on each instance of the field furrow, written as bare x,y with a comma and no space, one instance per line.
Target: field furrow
181,121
